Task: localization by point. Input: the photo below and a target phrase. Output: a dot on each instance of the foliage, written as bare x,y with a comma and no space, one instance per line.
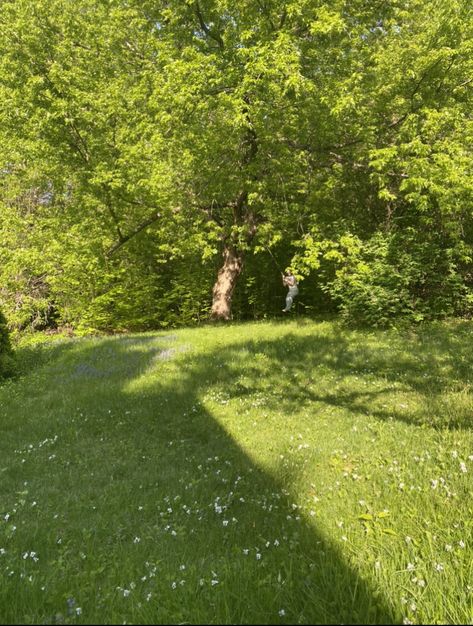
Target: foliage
140,140
389,276
6,352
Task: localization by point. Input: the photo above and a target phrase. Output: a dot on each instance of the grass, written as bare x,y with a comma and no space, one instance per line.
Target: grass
293,472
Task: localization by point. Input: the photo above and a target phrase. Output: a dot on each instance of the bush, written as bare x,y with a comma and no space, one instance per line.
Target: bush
6,352
401,275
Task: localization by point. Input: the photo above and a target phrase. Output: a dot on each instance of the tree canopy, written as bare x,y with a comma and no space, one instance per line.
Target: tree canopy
156,156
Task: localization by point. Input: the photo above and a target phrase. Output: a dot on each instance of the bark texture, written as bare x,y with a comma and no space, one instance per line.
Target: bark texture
225,283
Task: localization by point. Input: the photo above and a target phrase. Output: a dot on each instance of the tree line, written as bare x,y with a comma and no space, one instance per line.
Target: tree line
162,160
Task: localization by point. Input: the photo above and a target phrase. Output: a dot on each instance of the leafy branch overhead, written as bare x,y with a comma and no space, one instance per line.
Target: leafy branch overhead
193,137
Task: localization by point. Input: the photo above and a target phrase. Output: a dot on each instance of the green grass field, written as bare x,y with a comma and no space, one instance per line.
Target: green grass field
292,472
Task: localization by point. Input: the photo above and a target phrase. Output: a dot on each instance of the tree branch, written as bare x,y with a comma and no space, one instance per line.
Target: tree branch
466,82
282,20
114,216
208,211
154,218
210,33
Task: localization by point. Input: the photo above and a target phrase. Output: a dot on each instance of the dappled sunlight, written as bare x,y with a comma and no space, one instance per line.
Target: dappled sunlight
166,398
380,380
234,463
178,408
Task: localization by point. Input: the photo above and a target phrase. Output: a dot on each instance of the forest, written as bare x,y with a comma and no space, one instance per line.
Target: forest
162,161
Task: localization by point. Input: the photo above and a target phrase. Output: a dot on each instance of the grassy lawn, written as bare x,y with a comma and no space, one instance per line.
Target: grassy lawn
292,472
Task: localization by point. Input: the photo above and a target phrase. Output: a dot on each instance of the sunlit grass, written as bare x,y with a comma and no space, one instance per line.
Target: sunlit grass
292,472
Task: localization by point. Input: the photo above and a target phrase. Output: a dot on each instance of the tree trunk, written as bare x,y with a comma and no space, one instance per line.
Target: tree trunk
225,284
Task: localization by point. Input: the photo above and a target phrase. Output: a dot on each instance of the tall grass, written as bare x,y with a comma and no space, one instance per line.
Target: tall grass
292,472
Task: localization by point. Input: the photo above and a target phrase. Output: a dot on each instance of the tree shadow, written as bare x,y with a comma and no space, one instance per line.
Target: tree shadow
332,370
249,509
142,433
237,524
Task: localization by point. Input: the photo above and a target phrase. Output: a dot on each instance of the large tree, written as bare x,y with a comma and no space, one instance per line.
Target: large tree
160,129
131,114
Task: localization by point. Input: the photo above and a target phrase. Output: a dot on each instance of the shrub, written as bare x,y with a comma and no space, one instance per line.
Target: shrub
402,275
6,352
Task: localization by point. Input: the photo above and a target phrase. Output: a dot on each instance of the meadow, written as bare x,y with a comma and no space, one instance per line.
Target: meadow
260,473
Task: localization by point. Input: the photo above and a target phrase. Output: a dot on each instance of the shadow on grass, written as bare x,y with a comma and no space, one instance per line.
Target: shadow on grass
148,458
212,507
30,357
430,363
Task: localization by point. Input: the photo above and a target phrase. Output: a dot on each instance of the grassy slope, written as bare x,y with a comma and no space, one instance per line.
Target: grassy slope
259,473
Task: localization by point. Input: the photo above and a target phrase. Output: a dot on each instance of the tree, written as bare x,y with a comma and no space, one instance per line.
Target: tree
138,137
409,172
211,131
